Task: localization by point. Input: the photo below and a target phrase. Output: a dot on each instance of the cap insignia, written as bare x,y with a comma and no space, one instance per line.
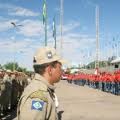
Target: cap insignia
49,55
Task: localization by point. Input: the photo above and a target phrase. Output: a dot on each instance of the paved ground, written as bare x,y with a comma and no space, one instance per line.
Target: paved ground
84,103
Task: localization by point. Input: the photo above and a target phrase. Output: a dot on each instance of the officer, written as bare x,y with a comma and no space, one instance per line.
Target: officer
38,99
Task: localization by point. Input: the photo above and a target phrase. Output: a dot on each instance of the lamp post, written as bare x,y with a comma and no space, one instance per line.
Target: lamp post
15,26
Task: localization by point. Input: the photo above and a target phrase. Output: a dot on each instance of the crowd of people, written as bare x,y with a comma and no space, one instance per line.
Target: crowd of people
104,81
12,85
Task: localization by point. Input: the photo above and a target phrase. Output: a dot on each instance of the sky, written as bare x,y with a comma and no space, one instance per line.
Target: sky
19,43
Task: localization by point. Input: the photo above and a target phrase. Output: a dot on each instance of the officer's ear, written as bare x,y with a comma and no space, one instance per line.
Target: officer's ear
49,70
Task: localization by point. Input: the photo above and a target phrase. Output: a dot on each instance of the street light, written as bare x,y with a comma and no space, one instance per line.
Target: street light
15,26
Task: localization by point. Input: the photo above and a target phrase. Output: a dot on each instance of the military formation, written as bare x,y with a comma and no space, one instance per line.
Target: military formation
104,81
12,85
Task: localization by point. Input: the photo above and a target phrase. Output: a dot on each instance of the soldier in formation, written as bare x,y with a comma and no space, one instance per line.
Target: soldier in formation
12,85
104,81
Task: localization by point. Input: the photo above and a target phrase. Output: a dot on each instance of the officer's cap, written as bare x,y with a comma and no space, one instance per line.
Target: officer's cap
46,55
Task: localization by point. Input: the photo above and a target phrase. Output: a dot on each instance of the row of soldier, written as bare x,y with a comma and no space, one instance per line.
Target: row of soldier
104,81
12,85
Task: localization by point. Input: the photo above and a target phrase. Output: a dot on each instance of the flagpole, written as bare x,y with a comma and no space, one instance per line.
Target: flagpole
46,26
54,32
61,24
45,20
55,42
46,32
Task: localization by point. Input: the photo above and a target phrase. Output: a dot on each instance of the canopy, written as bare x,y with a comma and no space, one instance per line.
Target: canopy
117,60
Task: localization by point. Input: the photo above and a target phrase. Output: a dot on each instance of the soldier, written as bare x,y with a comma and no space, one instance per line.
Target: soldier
38,99
6,94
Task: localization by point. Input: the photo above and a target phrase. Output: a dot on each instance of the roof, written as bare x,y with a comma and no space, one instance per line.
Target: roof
117,60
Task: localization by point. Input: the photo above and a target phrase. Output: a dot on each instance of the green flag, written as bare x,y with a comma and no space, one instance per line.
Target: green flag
44,11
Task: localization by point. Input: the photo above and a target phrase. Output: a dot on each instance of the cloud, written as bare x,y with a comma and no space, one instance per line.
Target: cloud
11,44
14,10
71,26
31,28
19,11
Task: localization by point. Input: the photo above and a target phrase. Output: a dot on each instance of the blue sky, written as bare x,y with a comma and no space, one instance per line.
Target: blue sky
79,30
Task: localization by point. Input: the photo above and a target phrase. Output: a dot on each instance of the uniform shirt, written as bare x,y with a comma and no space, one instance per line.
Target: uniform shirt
37,101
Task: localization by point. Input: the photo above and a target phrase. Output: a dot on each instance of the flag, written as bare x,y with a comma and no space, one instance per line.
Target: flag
54,28
44,11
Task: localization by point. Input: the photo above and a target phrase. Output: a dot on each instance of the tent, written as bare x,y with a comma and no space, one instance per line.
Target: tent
117,60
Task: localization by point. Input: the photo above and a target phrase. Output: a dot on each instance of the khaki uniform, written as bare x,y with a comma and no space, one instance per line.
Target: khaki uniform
37,101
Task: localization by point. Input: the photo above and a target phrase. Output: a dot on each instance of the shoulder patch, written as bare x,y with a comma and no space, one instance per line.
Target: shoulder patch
37,105
39,94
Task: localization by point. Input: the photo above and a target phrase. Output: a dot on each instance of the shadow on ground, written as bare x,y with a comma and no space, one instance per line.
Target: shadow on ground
60,115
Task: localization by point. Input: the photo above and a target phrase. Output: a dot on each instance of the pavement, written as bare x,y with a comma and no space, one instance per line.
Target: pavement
84,103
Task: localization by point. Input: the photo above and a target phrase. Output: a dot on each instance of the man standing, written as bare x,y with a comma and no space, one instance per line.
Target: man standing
38,99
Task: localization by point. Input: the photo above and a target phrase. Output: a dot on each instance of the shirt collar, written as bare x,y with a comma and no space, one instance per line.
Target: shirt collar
43,80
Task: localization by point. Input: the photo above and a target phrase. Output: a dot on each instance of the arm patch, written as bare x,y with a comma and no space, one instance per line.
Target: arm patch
39,94
37,105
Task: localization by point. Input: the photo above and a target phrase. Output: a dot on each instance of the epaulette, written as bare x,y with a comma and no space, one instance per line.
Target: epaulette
39,94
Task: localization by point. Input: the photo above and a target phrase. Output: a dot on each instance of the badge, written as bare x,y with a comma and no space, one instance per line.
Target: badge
49,55
37,105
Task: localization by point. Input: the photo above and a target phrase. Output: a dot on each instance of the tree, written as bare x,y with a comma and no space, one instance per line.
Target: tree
11,66
20,69
1,66
14,66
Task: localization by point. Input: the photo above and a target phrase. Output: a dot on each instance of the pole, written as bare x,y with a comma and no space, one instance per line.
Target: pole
46,31
14,55
45,24
14,50
15,26
54,32
97,38
13,65
55,42
61,24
